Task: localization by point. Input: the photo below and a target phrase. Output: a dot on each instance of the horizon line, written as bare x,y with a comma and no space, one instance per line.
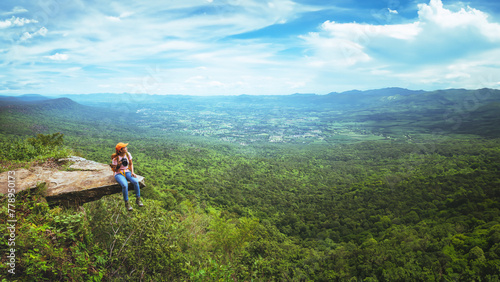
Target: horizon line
242,94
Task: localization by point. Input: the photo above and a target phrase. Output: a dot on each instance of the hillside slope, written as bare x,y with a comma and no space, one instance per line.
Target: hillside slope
20,117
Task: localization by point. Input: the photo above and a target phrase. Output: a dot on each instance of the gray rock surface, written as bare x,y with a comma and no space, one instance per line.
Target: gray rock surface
82,181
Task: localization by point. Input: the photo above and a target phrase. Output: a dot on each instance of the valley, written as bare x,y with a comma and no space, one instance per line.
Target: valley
246,126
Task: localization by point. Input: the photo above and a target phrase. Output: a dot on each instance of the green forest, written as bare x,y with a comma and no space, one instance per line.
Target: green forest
425,208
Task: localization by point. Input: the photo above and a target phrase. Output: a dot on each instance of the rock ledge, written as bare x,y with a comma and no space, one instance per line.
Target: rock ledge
83,181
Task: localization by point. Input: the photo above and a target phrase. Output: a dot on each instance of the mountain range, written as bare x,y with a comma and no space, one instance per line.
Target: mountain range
458,110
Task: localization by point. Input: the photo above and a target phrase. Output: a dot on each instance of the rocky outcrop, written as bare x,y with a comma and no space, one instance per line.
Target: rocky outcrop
73,181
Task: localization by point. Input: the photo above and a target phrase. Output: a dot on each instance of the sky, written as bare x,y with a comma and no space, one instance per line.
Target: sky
233,47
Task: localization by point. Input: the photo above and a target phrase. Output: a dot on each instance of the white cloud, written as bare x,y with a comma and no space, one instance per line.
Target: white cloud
42,32
119,18
15,10
472,73
58,57
434,14
15,21
360,32
341,45
215,83
335,52
177,45
113,19
439,35
126,14
26,36
392,11
442,48
455,75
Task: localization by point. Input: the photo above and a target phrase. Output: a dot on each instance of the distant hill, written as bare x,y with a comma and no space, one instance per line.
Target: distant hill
37,104
379,92
33,114
27,98
7,100
111,100
483,121
61,104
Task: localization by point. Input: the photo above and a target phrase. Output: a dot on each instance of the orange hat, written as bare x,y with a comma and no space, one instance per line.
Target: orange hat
121,145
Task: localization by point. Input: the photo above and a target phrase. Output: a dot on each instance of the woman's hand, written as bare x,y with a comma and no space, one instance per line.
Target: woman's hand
134,175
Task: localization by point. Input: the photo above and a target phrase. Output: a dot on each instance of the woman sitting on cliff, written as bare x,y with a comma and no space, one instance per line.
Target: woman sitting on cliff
120,164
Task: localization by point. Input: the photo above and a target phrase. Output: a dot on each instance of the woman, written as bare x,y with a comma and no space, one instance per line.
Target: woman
121,160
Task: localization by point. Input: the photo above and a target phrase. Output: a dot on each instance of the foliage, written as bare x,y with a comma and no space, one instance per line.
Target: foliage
49,141
51,244
139,244
18,153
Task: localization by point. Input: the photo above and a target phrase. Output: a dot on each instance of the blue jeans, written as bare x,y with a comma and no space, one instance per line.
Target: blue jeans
123,182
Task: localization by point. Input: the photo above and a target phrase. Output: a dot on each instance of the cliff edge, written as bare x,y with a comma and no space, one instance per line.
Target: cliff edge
82,181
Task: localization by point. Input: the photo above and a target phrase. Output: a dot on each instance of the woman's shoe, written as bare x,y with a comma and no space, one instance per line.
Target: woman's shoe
128,206
138,202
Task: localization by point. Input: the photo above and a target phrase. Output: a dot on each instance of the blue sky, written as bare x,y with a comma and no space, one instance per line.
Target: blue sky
232,47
